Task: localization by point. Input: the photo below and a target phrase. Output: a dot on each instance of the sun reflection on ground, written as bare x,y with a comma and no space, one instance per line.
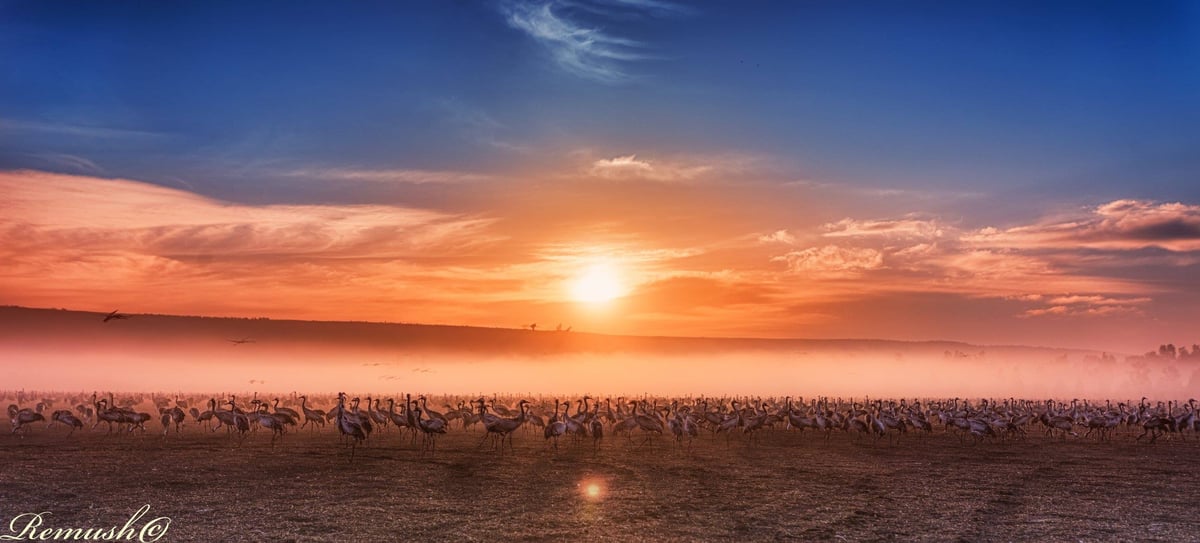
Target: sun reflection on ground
592,490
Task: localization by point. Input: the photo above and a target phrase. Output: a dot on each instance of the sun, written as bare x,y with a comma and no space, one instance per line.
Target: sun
599,283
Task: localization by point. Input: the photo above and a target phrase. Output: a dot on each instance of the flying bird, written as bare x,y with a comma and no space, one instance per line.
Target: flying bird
115,315
237,342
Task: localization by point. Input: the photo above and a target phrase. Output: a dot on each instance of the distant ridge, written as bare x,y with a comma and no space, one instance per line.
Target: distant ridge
23,325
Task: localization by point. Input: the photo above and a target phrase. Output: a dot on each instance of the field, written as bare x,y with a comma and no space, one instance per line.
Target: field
788,486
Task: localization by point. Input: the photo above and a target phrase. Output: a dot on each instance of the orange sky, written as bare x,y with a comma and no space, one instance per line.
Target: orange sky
696,246
1002,173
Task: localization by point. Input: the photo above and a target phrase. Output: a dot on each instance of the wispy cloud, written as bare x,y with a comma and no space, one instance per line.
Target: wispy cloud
832,261
82,241
1117,225
882,192
69,129
59,214
73,163
714,168
397,175
1086,306
779,236
588,52
1054,267
897,228
630,167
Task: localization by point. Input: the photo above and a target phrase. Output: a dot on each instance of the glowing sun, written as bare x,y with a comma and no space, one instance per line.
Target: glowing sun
597,284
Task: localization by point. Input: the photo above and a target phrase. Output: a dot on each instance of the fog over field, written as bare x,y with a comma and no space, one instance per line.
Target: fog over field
64,350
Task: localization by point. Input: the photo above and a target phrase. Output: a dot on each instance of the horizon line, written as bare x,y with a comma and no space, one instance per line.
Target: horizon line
601,334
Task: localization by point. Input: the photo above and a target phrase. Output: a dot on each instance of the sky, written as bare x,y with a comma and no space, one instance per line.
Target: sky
1000,173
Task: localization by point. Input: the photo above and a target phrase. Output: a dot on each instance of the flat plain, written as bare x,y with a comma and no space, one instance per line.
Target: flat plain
787,486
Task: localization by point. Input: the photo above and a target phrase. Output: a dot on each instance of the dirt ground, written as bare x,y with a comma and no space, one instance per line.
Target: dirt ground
790,486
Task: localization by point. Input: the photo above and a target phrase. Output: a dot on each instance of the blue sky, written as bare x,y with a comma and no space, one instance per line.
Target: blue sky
1081,95
978,114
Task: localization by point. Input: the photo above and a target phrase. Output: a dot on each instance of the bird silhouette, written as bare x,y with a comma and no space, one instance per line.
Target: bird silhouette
115,315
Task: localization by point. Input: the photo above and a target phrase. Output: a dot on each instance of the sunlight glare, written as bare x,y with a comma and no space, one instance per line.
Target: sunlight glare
599,283
592,489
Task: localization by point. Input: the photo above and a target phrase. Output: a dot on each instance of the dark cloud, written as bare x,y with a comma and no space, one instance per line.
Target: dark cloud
1168,230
